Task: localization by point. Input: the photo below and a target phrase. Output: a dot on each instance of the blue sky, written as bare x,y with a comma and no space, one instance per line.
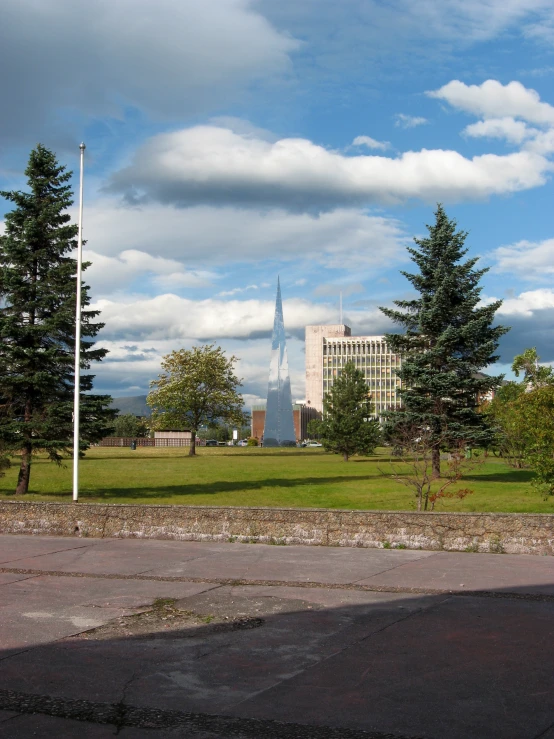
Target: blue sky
229,141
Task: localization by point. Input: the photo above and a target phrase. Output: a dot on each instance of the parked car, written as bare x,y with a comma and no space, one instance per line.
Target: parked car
314,443
211,442
242,442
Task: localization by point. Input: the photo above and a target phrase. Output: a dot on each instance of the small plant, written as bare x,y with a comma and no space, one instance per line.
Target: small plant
400,546
387,545
495,545
474,548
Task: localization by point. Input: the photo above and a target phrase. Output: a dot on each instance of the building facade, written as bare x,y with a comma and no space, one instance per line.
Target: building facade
329,348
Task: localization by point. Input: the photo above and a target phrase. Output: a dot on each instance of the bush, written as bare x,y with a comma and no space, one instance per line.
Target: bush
252,441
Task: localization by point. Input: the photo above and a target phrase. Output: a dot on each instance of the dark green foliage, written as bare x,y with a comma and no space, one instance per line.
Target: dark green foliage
129,425
37,322
448,338
346,426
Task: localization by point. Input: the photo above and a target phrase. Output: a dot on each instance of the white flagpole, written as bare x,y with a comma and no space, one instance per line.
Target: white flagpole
76,395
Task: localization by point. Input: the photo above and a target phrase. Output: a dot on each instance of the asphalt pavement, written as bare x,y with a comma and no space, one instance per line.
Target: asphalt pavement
144,638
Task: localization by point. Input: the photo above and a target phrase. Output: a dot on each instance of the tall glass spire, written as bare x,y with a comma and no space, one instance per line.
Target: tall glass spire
279,424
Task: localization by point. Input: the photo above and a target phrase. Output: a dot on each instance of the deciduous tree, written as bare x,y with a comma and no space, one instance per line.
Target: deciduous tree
197,387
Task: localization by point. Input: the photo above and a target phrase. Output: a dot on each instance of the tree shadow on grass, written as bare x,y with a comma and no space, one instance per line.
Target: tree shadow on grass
208,488
508,476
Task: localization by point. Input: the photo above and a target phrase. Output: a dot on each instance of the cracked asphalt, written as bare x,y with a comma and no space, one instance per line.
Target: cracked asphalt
143,638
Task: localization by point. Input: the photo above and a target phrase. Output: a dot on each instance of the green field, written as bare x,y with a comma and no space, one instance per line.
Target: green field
263,477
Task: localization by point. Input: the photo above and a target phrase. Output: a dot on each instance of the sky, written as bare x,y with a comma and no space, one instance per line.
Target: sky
232,141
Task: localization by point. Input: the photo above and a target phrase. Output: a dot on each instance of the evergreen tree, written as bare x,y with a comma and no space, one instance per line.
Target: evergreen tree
448,339
37,323
346,426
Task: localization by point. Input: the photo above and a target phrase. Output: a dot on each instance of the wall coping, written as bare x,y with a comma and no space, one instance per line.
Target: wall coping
182,506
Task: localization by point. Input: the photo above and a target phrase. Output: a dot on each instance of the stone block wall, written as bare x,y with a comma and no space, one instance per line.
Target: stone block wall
513,533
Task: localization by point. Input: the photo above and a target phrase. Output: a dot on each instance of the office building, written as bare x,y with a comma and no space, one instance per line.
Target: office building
329,348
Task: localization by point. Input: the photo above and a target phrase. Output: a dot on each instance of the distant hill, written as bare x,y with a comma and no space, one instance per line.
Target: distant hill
134,404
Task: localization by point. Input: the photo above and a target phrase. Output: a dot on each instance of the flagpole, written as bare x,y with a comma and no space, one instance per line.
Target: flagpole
76,396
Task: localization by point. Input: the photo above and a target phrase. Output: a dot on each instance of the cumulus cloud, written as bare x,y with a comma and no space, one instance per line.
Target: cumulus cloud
170,316
236,291
345,238
492,99
531,318
107,274
532,260
208,164
409,121
516,132
528,303
371,143
171,60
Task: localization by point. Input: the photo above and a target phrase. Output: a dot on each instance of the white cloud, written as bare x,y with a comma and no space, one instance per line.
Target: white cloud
371,143
108,274
206,164
172,317
236,291
492,99
516,132
527,259
345,239
409,121
528,303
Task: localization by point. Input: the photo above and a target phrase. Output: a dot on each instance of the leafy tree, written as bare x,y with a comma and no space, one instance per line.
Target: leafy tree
198,386
129,425
346,426
448,338
37,323
534,374
534,413
510,438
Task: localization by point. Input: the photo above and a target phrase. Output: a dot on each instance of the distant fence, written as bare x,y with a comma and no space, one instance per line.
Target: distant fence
127,440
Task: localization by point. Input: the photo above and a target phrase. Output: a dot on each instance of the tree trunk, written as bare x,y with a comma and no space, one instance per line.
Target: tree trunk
345,456
24,470
436,463
192,450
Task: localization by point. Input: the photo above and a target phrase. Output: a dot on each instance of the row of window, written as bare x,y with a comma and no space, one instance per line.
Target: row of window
348,349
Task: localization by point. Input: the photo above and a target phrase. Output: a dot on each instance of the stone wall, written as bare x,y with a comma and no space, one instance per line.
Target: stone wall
515,533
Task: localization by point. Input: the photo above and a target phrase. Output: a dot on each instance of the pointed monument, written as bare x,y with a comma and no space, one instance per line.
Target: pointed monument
279,424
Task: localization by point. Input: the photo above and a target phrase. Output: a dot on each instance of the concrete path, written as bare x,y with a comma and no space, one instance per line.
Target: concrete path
204,640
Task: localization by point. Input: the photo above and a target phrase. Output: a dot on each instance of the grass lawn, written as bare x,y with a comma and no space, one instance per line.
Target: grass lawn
249,476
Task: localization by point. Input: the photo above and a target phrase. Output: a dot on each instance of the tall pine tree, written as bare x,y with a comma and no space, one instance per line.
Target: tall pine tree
37,322
448,339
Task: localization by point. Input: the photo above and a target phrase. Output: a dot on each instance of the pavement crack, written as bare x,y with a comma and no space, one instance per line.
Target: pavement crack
241,582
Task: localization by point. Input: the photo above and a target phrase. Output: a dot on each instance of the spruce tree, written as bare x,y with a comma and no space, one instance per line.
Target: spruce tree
448,339
37,323
347,427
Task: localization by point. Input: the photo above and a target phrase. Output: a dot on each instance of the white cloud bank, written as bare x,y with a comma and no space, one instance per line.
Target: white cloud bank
345,238
209,164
